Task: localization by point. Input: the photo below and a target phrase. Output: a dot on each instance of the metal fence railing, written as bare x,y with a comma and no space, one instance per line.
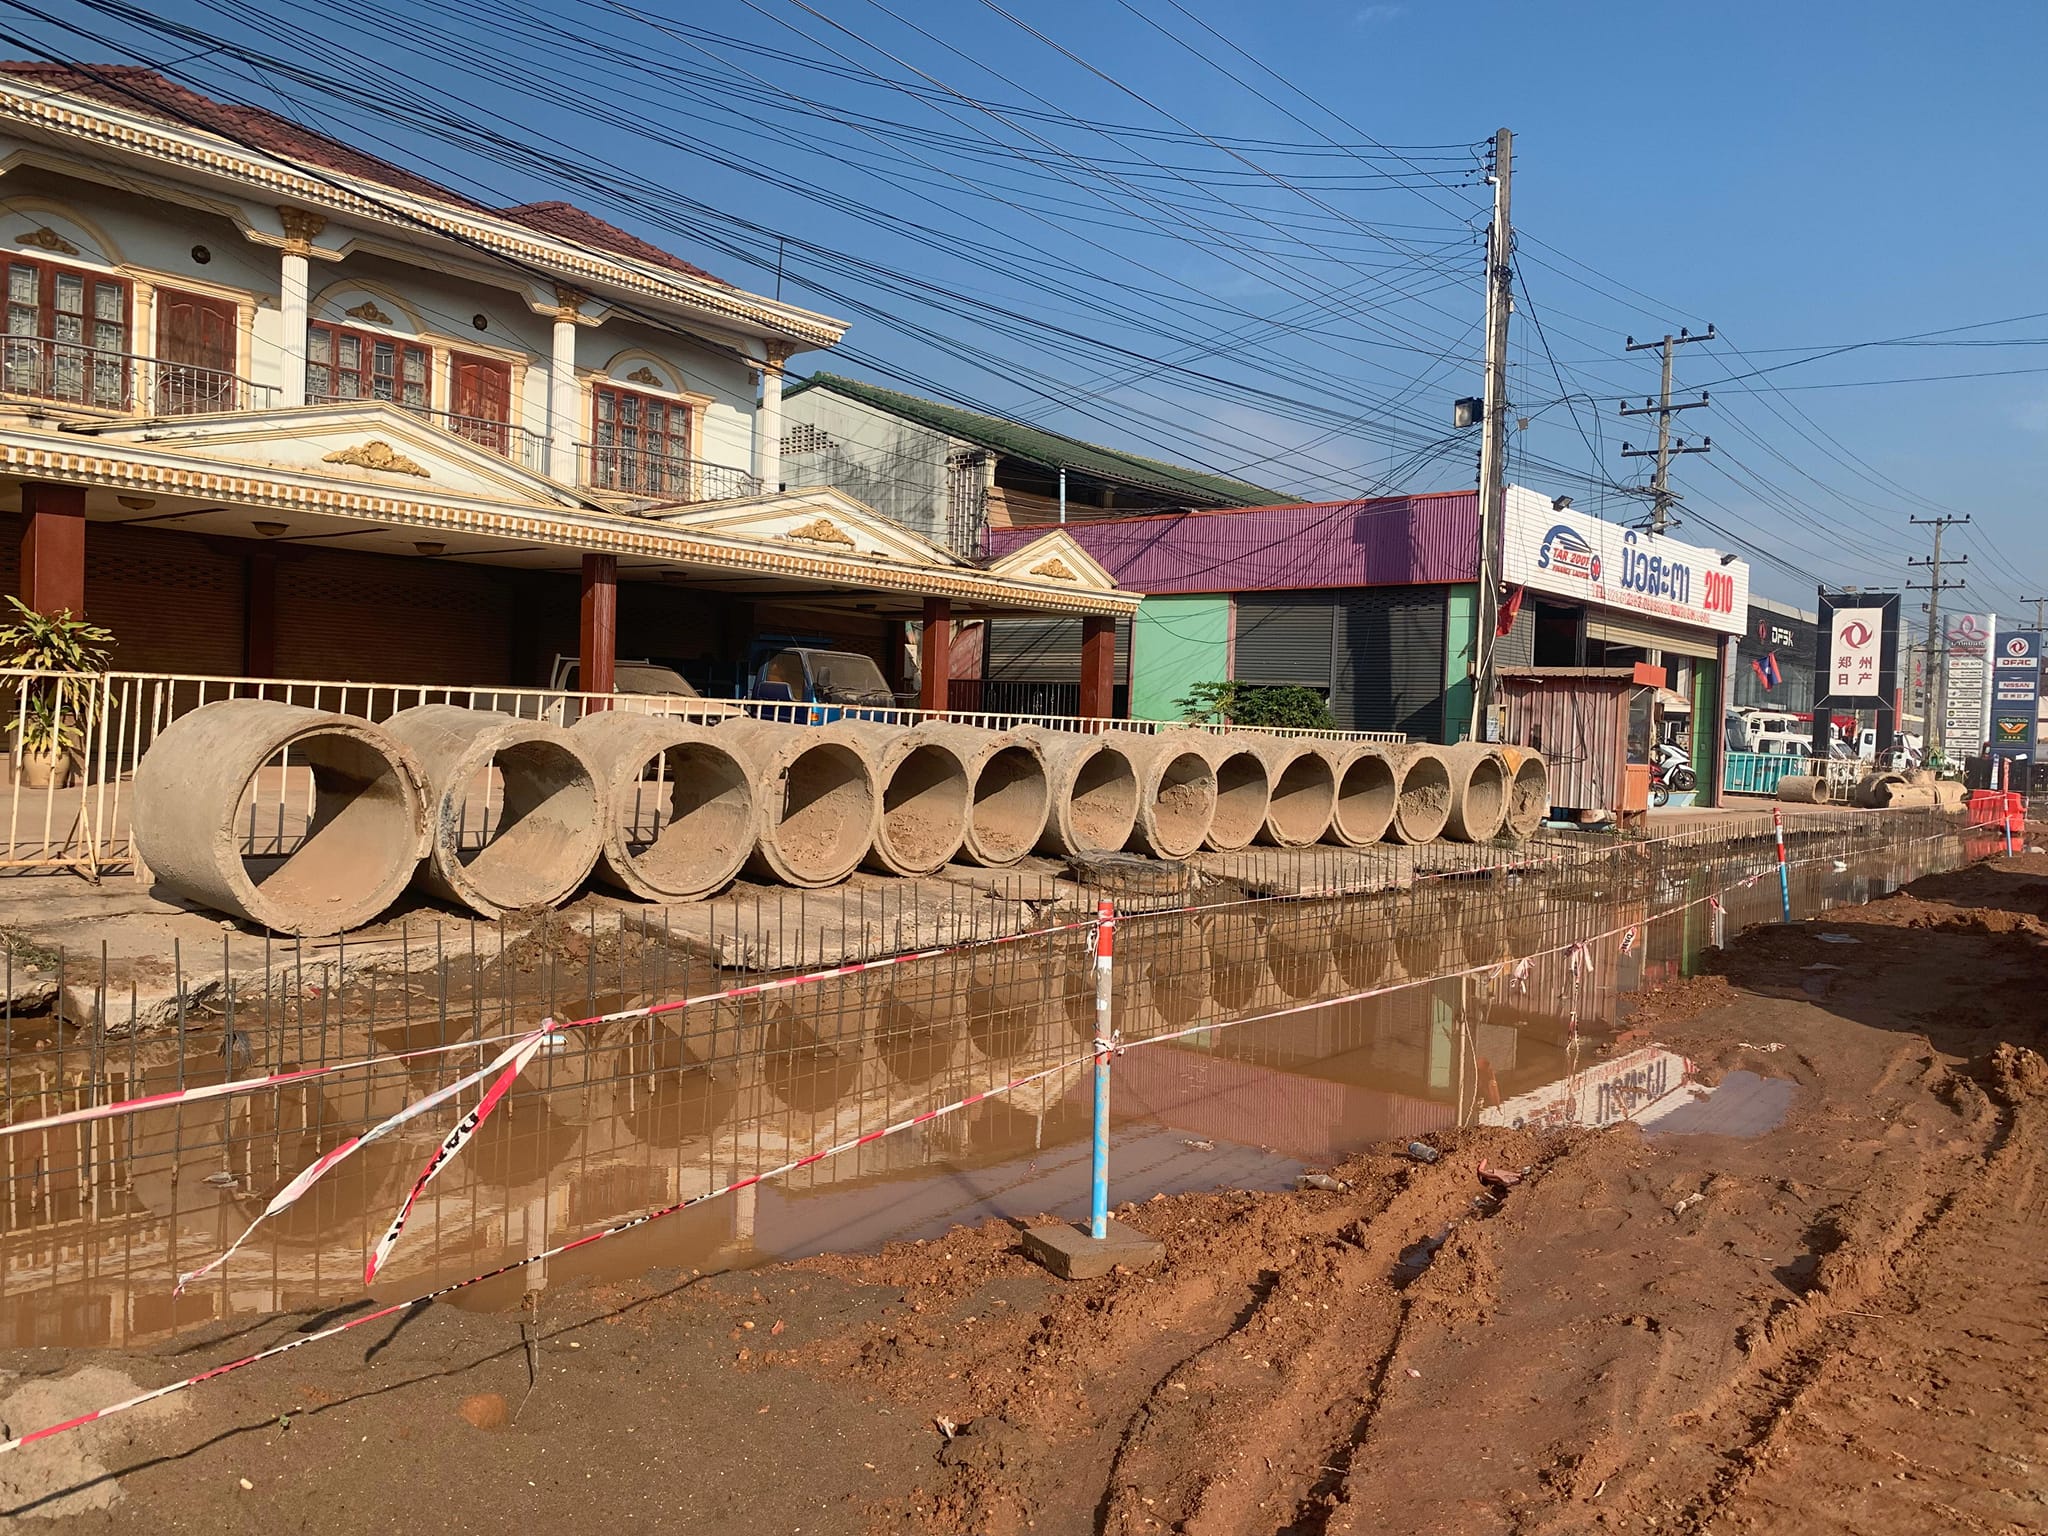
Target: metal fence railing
1758,773
68,808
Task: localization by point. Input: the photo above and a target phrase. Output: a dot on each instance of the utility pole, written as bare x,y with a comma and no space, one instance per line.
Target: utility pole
1937,649
1664,410
2040,605
1493,446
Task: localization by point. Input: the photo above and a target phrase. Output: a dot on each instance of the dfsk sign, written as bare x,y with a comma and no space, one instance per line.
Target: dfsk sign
1572,555
1855,650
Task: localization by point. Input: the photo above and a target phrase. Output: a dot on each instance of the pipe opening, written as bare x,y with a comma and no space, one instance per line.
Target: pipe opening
1528,796
328,824
1011,800
803,1071
1242,793
1365,799
924,807
524,820
1104,803
1183,805
1484,803
914,1036
1424,803
827,807
687,819
1303,798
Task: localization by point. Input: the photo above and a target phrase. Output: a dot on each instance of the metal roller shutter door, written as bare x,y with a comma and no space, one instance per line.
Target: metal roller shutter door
173,601
1648,634
1285,638
1044,651
1390,661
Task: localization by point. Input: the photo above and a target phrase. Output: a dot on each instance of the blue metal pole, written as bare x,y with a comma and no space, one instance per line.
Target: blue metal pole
1098,1205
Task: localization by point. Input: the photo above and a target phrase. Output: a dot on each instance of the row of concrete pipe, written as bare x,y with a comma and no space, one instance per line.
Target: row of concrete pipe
802,805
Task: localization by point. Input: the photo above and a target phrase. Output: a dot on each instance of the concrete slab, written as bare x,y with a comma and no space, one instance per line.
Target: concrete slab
1069,1252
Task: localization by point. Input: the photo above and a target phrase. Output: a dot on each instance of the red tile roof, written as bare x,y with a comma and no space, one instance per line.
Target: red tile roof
141,90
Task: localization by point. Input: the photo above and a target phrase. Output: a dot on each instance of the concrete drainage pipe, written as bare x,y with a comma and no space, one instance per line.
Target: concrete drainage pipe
1011,792
1422,795
1304,793
1479,792
549,826
925,802
366,836
1528,791
1094,792
816,789
681,810
1243,791
1365,794
1176,793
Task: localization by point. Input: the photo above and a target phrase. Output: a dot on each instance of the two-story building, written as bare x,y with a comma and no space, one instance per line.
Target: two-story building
272,406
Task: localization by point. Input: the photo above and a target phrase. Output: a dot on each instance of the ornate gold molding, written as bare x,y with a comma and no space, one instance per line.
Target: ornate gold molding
368,310
1055,569
45,238
821,530
380,455
648,377
569,302
302,226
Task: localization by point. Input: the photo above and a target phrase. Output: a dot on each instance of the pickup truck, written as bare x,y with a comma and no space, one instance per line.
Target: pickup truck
803,686
677,697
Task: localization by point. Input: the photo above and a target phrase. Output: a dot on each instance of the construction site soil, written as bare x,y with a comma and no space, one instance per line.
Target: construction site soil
1831,1324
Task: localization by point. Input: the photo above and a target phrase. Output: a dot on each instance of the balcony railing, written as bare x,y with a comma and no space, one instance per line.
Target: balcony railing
529,450
72,373
659,477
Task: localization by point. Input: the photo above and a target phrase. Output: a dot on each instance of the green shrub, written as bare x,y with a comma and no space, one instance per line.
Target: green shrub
1233,703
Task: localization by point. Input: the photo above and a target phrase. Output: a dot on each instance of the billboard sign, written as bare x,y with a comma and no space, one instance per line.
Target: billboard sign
1858,662
2015,690
1556,550
1968,639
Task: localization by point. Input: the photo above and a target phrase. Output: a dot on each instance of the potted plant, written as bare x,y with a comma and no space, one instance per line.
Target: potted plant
53,708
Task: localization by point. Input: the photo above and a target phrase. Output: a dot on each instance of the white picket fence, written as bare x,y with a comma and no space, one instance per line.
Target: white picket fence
83,824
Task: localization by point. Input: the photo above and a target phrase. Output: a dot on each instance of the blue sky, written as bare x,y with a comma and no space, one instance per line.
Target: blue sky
1100,229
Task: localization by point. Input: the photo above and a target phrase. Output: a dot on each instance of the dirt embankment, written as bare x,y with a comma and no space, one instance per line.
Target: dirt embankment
1833,1326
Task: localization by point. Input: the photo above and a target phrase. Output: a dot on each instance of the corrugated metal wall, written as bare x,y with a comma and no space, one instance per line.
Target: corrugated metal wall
1390,661
1044,650
1517,647
1286,638
1580,726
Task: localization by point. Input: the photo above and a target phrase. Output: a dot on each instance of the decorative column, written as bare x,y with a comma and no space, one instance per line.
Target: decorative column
565,414
1098,667
597,647
301,227
935,655
768,421
53,548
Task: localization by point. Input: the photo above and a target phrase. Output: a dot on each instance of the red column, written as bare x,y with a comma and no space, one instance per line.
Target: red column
597,647
1098,667
259,613
53,548
935,655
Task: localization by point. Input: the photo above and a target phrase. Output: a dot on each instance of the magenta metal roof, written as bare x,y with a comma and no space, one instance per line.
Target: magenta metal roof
1379,541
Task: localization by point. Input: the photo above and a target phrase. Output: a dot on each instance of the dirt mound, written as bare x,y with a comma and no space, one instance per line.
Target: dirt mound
2018,1074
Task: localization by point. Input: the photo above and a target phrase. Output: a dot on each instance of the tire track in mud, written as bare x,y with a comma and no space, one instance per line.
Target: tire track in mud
1258,1429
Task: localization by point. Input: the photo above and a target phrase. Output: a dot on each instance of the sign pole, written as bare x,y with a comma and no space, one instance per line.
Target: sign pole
1098,1202
1784,876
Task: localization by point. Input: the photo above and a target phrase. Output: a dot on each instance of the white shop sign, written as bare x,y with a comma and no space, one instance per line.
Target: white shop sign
1854,661
1573,555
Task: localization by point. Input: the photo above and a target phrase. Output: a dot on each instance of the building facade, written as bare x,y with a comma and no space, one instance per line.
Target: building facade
273,406
954,475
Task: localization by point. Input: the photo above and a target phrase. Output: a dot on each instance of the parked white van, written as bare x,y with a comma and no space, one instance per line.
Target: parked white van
1770,730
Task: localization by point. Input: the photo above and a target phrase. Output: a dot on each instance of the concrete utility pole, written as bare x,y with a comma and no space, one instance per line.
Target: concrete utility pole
2040,605
1937,648
1664,410
1493,446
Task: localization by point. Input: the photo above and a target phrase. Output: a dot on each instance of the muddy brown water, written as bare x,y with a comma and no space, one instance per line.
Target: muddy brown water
1263,1080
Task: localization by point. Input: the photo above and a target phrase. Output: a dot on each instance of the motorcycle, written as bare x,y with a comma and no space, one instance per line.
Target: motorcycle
1671,773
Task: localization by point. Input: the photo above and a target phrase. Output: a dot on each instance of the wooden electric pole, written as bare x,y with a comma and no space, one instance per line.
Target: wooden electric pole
1664,410
1493,446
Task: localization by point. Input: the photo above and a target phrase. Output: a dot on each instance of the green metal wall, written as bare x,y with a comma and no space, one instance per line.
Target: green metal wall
1177,642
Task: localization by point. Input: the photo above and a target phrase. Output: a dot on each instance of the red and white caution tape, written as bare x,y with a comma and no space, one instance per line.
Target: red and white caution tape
392,1310
452,1145
324,1164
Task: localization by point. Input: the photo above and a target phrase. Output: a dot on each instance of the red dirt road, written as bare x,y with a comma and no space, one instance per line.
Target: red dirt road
1833,1326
